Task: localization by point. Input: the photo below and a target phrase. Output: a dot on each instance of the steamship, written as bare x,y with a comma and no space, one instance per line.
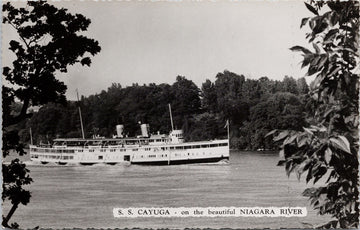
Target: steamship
158,149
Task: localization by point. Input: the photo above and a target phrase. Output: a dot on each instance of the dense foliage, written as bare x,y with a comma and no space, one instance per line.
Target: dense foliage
254,107
49,41
328,148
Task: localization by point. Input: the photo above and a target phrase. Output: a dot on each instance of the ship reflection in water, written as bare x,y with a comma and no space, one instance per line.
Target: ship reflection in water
84,196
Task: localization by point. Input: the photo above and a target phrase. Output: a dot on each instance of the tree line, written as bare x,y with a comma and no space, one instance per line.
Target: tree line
253,107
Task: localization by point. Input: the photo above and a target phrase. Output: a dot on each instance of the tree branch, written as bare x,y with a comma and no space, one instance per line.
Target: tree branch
9,215
17,29
23,115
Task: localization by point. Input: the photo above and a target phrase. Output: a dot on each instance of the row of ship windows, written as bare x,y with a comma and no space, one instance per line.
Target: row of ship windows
153,156
101,157
106,143
53,157
53,150
176,154
124,150
187,147
198,146
193,154
157,140
103,150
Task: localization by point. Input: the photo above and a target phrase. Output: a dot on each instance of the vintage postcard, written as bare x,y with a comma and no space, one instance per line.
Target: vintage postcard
180,114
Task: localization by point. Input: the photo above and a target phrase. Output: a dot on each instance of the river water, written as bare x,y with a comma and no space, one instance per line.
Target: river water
84,196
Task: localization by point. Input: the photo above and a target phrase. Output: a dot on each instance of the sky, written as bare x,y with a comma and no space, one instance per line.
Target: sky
153,42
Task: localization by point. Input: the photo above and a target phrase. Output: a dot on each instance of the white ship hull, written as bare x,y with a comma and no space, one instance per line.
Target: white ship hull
169,154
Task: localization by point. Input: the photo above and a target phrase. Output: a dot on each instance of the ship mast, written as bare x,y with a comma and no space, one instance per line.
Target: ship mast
172,128
171,119
31,138
228,131
81,122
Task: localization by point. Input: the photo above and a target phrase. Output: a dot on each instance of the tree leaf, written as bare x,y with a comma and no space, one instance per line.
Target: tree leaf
334,18
304,21
271,133
300,49
312,70
281,154
329,37
314,62
317,49
308,131
335,71
309,175
287,167
346,142
311,8
320,173
332,174
6,71
301,140
303,167
307,59
327,112
281,135
341,142
319,78
327,155
85,61
290,139
293,166
331,224
307,225
281,163
312,25
309,192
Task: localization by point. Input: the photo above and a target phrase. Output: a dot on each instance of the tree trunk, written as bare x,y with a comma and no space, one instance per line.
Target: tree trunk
9,215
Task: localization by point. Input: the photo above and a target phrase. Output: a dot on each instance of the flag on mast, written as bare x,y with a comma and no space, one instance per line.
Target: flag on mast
226,124
31,138
81,122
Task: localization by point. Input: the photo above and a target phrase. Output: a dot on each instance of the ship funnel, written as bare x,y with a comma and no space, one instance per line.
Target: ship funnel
145,130
176,136
120,130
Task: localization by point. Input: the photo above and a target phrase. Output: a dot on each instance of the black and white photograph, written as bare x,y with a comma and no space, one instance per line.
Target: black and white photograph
180,114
